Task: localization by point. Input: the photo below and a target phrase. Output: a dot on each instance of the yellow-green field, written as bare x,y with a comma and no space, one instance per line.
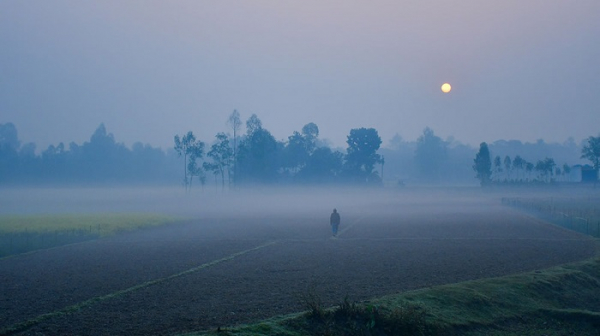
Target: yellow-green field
100,224
26,233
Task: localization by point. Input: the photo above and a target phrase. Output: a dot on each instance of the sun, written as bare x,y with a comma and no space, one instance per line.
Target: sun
446,88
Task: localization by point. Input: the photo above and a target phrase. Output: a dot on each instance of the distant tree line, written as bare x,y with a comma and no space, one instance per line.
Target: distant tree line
520,171
254,156
101,160
431,159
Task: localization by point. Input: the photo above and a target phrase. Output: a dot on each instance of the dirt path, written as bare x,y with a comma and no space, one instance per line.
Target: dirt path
219,272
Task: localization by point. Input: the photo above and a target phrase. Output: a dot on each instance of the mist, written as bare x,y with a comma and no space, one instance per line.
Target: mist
264,201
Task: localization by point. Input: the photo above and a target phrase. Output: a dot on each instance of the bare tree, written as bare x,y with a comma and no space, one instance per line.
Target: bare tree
221,154
235,122
188,147
507,166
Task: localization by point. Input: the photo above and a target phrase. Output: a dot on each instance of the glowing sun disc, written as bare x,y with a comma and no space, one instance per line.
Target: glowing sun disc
446,88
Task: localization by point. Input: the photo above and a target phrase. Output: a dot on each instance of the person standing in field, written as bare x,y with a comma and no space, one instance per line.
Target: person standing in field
334,221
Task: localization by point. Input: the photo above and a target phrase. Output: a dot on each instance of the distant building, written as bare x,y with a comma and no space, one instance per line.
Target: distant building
584,174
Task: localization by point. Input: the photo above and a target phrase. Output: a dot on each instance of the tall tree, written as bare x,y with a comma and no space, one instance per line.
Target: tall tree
497,167
295,152
300,147
188,147
221,155
103,157
361,154
529,169
518,165
235,122
591,151
253,124
545,168
194,169
258,154
310,132
507,166
430,154
323,166
9,155
483,165
9,139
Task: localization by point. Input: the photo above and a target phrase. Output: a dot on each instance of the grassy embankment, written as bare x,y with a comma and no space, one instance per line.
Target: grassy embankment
25,233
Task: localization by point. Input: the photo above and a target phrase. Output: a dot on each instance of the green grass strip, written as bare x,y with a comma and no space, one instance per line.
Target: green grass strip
102,224
18,327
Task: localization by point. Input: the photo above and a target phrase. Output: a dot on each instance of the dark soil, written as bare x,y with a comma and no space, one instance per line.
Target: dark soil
384,252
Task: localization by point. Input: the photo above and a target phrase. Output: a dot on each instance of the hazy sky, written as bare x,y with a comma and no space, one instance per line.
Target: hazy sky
152,69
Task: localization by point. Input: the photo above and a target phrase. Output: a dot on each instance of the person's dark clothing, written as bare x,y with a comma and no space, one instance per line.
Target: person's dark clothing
335,218
334,221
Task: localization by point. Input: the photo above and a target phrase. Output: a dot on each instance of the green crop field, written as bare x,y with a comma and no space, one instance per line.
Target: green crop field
25,233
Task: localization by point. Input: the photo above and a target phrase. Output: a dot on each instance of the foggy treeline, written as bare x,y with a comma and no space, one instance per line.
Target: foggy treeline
101,160
257,157
453,163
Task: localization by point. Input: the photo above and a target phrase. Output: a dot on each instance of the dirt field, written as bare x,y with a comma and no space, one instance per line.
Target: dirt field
262,263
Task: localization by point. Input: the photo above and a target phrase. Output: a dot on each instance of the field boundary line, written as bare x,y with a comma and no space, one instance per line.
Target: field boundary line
21,326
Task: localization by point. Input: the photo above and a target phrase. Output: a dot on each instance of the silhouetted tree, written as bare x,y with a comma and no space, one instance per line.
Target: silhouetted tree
518,164
295,153
323,166
299,148
507,166
430,154
591,151
221,155
483,165
497,167
189,147
102,158
361,155
310,132
545,168
529,168
194,169
9,138
257,157
235,122
253,124
10,168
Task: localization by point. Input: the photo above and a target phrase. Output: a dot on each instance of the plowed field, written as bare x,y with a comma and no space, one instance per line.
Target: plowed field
220,271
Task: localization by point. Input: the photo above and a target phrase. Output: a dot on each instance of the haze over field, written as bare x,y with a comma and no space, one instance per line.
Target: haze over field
150,70
257,201
262,201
